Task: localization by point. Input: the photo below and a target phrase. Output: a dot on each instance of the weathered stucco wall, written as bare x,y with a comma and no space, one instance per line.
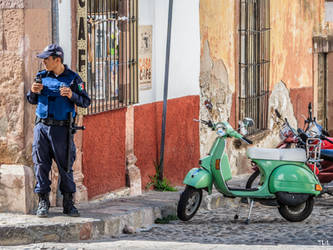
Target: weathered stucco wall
37,35
292,59
293,24
219,28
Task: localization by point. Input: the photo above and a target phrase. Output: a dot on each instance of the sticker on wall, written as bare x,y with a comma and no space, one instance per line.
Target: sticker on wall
145,56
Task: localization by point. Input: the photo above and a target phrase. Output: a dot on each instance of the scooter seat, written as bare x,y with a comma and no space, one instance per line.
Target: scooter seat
327,154
290,154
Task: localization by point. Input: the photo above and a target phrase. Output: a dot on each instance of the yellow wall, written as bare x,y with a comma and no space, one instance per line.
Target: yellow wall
217,25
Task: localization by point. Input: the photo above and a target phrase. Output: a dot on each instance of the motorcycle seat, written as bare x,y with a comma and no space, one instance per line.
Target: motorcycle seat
327,154
288,154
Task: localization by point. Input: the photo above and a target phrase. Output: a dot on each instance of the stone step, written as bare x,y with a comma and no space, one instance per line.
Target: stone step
99,219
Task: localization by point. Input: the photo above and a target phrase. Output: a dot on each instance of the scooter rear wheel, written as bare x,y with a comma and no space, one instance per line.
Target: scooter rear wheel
297,213
189,203
252,179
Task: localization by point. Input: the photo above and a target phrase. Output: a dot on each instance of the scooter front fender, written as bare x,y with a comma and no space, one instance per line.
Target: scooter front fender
199,178
293,179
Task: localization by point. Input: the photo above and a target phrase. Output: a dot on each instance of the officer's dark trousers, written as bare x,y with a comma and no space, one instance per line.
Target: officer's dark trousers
50,142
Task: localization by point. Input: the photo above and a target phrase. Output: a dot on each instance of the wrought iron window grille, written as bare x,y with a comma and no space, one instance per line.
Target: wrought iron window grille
254,62
112,53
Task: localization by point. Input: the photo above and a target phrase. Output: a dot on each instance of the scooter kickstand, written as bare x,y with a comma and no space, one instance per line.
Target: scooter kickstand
247,222
238,210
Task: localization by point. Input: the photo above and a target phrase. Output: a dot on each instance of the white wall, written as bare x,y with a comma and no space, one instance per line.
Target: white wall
328,11
185,48
65,32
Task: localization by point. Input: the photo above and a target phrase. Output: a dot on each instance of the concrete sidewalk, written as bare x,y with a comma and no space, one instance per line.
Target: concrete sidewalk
98,219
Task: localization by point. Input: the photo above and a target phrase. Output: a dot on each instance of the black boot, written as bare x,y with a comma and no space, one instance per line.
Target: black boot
44,205
68,205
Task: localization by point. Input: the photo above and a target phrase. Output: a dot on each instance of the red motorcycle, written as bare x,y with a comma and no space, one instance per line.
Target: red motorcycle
290,137
314,130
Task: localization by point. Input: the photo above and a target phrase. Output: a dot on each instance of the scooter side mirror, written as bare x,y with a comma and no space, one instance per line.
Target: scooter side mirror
248,122
244,124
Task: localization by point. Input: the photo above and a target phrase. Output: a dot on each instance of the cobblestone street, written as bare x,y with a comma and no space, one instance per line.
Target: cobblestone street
217,229
266,227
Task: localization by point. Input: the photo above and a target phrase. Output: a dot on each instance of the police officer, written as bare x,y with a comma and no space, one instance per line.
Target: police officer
60,89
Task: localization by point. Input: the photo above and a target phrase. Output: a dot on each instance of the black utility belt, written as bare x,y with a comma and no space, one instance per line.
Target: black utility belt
51,122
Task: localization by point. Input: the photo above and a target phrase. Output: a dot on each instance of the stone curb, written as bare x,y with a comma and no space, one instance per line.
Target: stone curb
99,219
93,224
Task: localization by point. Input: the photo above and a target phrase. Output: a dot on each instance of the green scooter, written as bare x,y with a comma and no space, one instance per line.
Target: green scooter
286,179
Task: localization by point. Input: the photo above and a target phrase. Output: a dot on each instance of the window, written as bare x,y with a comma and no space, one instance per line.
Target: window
112,81
254,62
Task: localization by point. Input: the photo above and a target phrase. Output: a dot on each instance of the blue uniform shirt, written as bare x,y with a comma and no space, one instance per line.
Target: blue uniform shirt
50,104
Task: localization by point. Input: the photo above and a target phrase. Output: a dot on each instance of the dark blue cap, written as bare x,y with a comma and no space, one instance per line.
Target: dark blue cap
52,50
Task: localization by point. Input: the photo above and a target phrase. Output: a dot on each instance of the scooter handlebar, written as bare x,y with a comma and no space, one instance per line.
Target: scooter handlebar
208,123
325,132
326,139
248,141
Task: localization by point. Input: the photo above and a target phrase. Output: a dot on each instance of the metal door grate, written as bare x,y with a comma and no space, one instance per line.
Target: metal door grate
254,62
112,54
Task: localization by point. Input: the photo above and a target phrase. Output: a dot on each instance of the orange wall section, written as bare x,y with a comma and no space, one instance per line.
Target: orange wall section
292,29
182,151
104,152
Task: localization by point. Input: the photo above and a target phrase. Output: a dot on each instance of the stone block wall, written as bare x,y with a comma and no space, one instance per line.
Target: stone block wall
25,29
11,86
16,189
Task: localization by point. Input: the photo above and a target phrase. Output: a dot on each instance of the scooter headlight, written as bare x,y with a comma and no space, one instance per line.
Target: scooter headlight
220,132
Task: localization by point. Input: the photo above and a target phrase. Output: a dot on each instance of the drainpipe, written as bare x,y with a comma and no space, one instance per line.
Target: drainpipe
55,21
165,96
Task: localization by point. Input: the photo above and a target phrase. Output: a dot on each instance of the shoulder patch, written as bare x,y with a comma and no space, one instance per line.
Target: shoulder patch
81,86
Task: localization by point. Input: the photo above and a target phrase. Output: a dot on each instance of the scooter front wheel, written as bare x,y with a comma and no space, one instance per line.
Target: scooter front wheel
297,213
189,203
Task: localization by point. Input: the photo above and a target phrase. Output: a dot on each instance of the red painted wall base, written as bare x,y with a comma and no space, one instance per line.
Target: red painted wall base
182,149
104,156
104,152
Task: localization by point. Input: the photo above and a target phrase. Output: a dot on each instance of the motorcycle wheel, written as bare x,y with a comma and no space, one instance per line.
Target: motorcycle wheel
189,203
252,178
297,213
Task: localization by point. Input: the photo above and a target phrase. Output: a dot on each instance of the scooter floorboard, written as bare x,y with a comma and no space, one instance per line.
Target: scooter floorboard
242,189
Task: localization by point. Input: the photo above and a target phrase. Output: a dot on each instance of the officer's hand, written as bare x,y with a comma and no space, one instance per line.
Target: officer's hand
65,91
36,87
